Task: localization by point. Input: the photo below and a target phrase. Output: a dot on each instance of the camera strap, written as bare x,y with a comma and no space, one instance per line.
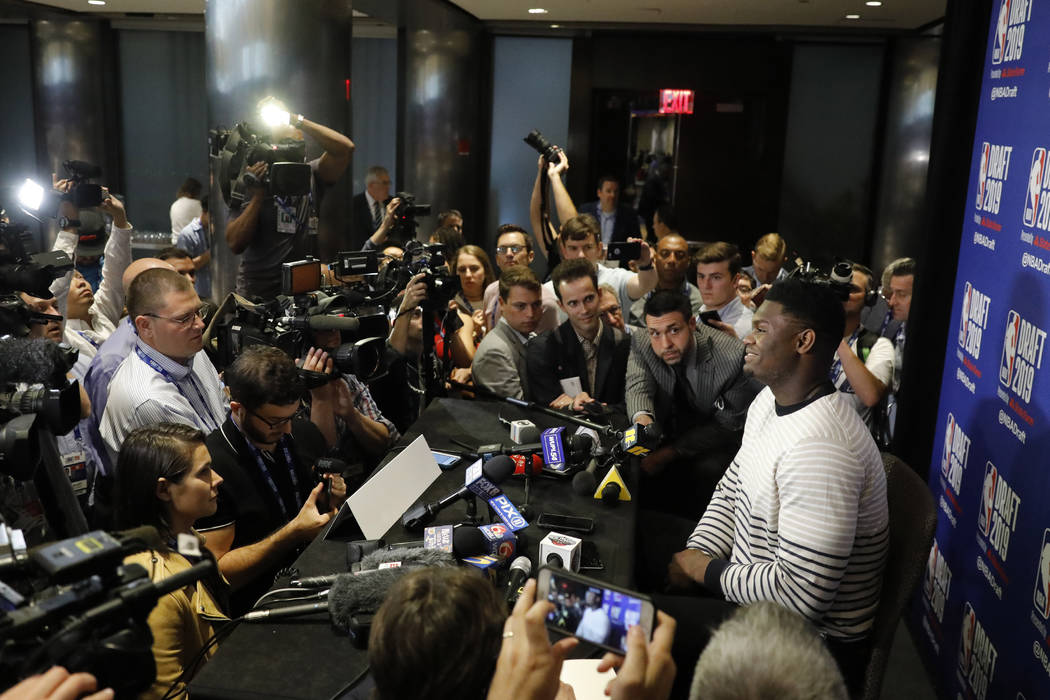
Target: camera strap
204,415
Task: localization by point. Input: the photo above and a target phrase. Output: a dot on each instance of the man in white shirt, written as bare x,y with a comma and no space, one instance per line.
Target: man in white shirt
167,377
863,363
717,271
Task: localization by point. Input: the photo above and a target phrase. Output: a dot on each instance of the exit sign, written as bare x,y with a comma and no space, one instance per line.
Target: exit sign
676,102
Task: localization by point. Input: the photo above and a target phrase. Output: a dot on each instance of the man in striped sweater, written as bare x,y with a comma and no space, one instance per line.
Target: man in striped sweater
800,517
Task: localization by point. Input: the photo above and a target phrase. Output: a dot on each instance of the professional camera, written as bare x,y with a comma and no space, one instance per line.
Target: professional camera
83,194
550,152
233,150
405,223
86,610
839,279
286,323
20,272
429,259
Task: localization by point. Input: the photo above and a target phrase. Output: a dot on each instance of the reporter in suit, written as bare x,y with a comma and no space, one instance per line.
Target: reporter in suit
618,221
582,360
369,207
499,363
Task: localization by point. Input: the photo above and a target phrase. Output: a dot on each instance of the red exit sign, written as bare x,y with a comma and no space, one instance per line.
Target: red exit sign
676,102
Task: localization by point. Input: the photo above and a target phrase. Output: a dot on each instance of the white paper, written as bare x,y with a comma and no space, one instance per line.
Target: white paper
571,386
388,494
583,676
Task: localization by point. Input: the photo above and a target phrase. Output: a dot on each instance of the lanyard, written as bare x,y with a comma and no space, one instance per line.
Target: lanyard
83,335
836,367
269,479
206,416
885,322
285,206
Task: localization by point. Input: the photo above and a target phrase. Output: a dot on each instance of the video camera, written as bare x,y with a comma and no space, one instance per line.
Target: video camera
233,150
287,321
405,223
83,194
82,608
839,279
429,259
20,272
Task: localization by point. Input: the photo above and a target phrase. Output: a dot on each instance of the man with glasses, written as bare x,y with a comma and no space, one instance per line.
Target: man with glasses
514,247
269,502
167,377
672,264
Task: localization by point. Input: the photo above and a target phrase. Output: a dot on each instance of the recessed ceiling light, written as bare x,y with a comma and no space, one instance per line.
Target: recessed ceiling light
852,16
555,26
96,2
537,11
874,3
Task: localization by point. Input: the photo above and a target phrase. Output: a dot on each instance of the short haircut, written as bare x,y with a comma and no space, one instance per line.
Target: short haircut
262,374
204,202
901,267
162,450
668,216
518,276
483,258
816,305
717,252
608,178
759,652
771,247
449,213
865,270
666,301
572,270
173,252
514,228
580,228
374,173
147,291
437,636
190,187
449,237
609,288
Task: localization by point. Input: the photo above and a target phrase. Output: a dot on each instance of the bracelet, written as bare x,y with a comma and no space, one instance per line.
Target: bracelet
646,268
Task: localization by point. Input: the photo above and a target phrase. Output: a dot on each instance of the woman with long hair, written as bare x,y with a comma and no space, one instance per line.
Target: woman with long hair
164,479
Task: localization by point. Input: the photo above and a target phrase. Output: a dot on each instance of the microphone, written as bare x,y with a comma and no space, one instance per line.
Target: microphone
38,361
384,560
322,322
288,611
482,480
585,482
520,569
640,440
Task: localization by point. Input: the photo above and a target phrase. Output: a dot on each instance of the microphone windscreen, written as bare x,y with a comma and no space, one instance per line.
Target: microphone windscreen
580,443
334,323
408,556
30,361
468,541
584,483
611,492
498,468
351,594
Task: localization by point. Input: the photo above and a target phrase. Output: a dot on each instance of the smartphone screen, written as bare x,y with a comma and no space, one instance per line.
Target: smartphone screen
445,460
592,610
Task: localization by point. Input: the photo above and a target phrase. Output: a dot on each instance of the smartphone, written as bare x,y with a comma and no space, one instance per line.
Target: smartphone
624,251
589,559
593,610
559,522
446,460
707,316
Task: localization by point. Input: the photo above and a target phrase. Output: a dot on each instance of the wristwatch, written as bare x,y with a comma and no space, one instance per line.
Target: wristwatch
299,121
645,268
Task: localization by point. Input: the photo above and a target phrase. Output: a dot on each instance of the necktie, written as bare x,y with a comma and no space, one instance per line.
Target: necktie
590,355
377,214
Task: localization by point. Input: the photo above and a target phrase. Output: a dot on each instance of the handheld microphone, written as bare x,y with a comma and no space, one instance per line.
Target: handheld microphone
482,480
640,440
520,569
322,322
585,482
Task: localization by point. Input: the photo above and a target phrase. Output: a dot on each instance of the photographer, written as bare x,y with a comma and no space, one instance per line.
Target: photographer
164,478
271,230
270,502
546,239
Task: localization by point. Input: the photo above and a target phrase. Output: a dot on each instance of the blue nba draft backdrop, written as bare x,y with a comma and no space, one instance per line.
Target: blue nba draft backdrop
983,613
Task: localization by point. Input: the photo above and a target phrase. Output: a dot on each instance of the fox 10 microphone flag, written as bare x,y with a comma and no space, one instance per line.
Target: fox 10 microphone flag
982,614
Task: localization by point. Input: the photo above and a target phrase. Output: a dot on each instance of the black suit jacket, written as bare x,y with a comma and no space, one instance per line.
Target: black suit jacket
626,224
558,354
361,217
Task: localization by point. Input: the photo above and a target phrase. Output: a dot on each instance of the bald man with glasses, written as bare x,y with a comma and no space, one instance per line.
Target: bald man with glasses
166,377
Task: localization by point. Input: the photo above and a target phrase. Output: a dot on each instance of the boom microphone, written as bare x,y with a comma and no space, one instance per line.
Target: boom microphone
372,563
323,322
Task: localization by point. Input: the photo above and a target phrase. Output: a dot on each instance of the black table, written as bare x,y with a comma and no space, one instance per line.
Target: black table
307,658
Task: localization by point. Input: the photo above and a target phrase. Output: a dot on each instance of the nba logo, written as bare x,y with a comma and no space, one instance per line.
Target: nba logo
969,624
1000,32
1042,579
982,174
931,571
946,455
984,517
1006,364
1035,186
965,316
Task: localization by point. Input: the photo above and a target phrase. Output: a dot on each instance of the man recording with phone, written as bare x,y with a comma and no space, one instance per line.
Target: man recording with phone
269,230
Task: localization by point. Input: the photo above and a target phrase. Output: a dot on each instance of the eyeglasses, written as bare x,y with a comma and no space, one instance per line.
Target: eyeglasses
281,422
182,320
512,249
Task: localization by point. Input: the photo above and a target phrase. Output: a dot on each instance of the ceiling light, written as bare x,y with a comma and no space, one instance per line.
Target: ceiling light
537,11
874,3
555,26
852,16
96,2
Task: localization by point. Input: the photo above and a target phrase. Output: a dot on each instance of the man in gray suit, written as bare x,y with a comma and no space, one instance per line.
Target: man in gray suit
689,379
499,363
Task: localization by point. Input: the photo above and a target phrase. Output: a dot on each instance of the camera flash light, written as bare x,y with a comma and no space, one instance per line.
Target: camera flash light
31,195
